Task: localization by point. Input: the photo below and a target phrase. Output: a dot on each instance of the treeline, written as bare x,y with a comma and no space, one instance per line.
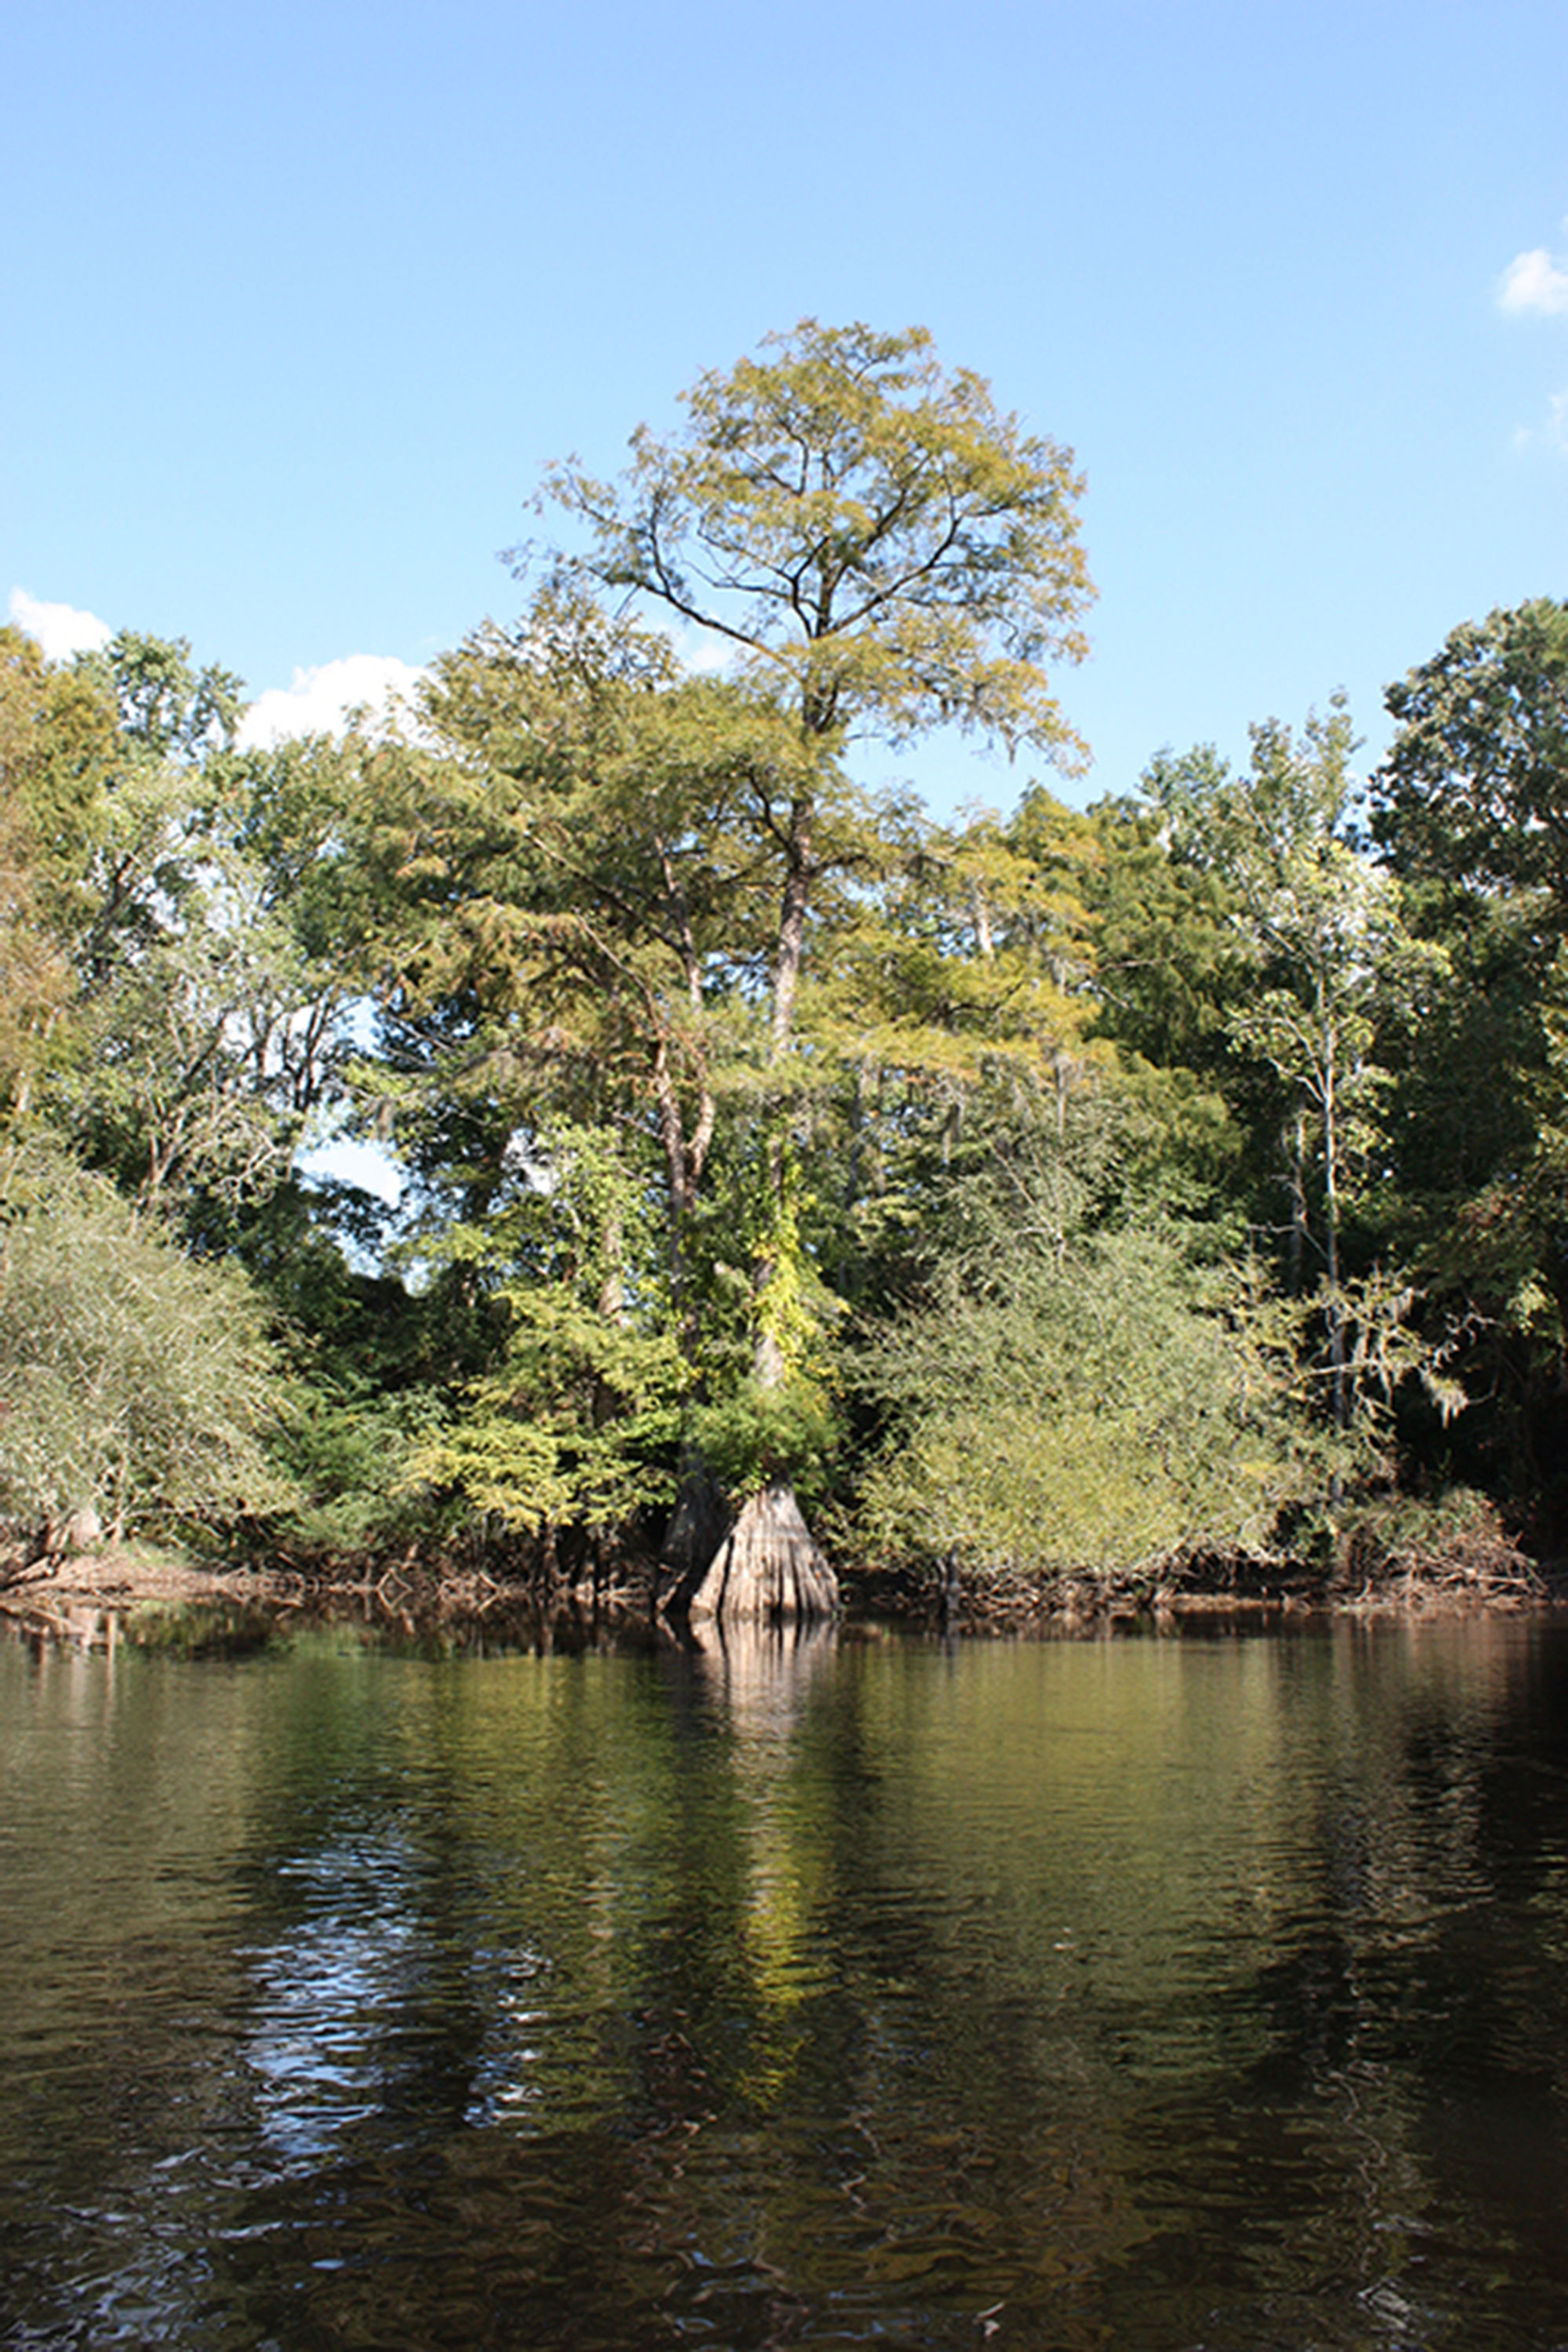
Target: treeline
1173,1184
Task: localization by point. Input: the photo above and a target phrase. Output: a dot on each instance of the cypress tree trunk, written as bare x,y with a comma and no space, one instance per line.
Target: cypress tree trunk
697,1526
768,1567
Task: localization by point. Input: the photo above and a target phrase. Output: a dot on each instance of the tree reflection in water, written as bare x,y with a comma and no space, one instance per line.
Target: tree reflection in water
790,1989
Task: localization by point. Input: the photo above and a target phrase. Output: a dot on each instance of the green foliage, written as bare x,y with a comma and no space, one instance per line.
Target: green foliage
1057,1388
762,1433
881,548
52,733
699,1059
168,711
1168,956
1321,979
875,538
1075,1378
577,1420
579,904
1474,790
579,1424
974,943
767,1310
131,1377
346,1449
1102,1407
1469,808
182,1009
59,734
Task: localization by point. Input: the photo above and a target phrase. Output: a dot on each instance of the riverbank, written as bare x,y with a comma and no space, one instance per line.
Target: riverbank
88,1598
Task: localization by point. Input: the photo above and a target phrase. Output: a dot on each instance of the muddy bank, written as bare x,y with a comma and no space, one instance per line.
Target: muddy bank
93,1599
160,1600
1250,1594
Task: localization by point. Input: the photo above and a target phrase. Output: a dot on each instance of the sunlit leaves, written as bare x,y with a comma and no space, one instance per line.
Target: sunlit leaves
1475,788
877,542
131,1377
1098,1405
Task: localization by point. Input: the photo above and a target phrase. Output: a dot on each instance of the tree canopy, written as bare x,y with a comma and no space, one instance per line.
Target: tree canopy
1179,1178
883,546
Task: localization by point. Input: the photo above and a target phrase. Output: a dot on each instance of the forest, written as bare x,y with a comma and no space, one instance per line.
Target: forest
798,1191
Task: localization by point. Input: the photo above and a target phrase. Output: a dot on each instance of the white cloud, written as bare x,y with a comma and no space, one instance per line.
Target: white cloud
701,651
60,629
319,700
1552,434
1533,282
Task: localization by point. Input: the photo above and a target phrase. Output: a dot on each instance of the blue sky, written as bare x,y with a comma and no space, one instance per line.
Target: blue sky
300,300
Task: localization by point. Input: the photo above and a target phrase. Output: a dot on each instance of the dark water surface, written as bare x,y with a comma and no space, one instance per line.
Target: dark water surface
1187,1993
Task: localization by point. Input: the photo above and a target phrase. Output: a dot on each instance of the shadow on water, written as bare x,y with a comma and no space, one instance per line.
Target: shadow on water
779,1988
428,1622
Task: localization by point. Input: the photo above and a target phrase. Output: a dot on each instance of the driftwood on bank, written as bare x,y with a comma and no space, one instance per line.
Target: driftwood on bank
768,1567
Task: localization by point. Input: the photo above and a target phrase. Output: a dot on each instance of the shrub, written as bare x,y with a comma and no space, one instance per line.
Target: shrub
132,1376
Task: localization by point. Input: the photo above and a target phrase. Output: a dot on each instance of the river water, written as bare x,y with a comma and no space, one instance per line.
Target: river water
1202,1992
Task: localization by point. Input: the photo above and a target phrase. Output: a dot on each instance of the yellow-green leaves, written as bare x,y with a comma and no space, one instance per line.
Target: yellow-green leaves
578,1423
881,545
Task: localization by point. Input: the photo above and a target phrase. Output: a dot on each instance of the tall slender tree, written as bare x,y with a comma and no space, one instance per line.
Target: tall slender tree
885,552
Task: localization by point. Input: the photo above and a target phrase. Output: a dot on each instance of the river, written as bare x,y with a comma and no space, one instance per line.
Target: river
1196,1994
